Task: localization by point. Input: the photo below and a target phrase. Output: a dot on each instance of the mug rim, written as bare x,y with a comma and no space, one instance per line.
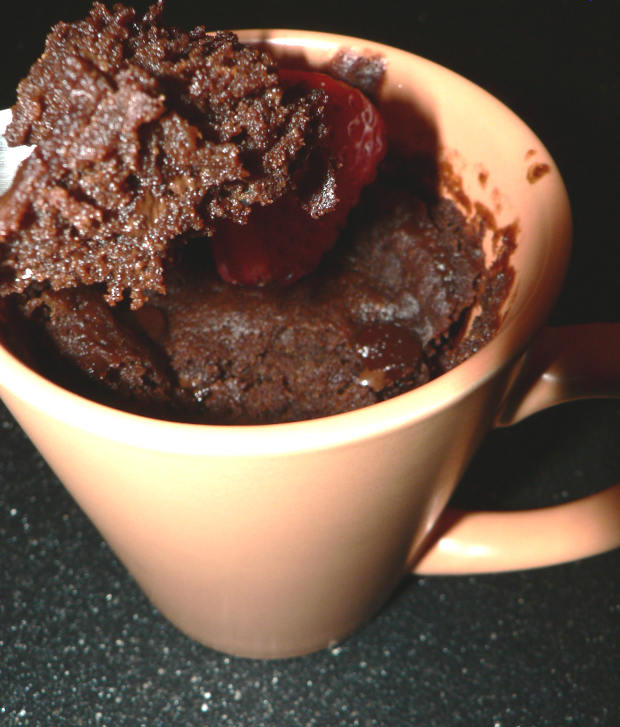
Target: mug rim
525,317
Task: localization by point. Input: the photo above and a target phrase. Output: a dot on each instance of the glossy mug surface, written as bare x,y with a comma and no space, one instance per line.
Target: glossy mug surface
276,540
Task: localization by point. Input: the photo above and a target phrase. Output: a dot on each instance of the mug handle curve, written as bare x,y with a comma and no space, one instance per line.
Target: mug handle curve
562,364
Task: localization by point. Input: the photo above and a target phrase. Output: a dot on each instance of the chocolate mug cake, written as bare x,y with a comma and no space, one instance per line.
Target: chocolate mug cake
195,237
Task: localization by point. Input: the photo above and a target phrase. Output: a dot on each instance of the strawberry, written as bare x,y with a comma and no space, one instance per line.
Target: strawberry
283,241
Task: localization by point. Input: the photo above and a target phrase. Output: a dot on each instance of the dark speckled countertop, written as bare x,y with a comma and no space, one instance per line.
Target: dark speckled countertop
80,644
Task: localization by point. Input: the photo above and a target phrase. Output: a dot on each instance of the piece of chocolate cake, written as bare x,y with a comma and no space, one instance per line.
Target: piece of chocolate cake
144,135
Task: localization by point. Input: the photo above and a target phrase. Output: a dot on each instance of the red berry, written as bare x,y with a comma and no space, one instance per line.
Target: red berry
282,242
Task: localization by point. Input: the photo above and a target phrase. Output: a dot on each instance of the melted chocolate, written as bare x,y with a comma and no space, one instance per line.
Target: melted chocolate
388,350
536,171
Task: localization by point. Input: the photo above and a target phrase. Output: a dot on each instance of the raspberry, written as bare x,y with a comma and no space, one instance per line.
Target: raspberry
285,240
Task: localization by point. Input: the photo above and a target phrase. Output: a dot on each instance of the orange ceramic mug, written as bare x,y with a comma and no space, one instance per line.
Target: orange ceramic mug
276,540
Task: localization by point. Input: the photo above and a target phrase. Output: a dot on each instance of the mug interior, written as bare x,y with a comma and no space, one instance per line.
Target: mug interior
493,158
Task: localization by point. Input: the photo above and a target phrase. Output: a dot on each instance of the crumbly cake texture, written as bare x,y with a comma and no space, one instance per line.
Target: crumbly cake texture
145,135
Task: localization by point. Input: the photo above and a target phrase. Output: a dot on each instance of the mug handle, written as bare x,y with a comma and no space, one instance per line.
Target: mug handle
563,364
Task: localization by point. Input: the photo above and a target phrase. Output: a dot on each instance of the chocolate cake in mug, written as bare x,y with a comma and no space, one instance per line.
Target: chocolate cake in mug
148,159
283,530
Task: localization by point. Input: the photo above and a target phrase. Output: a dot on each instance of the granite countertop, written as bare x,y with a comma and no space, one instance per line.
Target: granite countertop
80,644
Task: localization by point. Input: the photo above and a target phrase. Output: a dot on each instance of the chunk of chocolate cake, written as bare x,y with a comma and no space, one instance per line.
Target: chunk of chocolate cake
144,135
